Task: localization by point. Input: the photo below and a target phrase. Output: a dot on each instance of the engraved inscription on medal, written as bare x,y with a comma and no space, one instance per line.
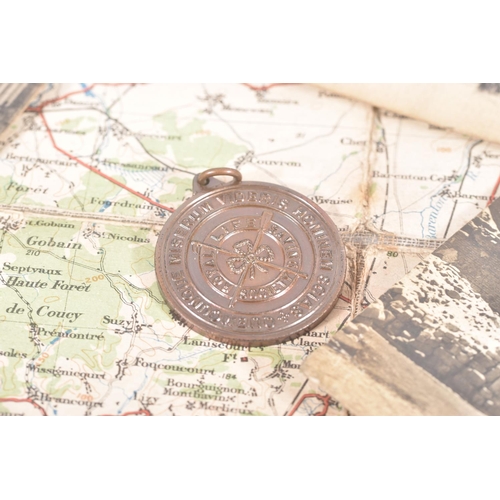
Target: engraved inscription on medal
249,258
244,262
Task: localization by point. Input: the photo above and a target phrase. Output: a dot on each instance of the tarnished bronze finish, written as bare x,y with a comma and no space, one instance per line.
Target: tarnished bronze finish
204,177
249,263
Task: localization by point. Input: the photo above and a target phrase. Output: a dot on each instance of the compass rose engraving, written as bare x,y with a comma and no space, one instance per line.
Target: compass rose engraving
248,257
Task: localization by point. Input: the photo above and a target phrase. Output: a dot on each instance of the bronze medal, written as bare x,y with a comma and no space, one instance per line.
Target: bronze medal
249,263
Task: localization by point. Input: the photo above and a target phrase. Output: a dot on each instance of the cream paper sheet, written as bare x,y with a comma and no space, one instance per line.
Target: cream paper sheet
472,109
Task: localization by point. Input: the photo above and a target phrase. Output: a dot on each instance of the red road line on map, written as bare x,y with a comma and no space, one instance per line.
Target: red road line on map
97,171
322,413
146,413
326,401
39,110
266,87
27,400
44,413
495,189
345,299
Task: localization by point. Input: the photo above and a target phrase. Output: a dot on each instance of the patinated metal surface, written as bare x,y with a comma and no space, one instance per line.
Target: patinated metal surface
249,263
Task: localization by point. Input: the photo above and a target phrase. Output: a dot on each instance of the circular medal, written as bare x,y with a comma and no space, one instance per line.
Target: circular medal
249,263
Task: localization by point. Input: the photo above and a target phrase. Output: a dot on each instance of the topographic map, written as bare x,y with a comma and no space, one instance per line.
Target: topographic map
85,174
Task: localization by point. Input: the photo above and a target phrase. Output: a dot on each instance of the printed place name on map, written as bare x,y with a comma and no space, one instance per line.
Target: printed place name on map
413,177
321,200
35,241
22,269
13,354
57,285
14,186
107,203
69,334
46,311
